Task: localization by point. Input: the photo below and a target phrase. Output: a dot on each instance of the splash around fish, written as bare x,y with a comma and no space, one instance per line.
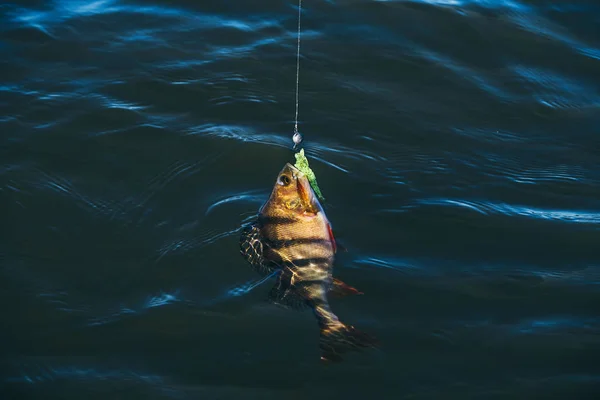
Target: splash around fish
293,238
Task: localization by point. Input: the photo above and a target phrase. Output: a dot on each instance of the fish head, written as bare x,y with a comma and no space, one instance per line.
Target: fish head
292,194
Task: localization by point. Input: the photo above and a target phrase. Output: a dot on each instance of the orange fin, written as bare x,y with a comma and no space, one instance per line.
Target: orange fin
340,289
332,238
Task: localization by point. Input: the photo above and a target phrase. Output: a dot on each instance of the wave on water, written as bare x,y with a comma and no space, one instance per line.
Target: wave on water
454,274
240,133
116,203
61,10
402,266
456,139
558,325
253,196
180,246
555,91
45,374
42,371
486,207
166,299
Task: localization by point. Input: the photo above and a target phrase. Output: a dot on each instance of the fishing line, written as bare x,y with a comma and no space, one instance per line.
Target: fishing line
296,133
301,160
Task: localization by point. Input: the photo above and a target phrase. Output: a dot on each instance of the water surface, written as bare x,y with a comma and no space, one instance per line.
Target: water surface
457,144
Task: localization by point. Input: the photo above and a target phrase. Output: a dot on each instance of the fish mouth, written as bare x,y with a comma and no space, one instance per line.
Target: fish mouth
295,171
306,194
303,188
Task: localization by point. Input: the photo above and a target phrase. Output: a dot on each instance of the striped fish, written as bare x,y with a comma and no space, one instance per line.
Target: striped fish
293,237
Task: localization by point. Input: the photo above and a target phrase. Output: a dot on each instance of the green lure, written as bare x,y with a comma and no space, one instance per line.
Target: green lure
302,165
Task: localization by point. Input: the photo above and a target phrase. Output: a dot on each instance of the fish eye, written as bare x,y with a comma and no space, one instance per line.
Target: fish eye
284,180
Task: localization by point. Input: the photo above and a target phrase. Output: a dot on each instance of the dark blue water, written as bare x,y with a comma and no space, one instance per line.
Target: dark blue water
457,144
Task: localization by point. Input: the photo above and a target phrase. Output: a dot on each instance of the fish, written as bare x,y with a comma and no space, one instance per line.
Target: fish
292,238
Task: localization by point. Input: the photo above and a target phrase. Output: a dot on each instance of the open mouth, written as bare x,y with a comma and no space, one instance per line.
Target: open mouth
306,195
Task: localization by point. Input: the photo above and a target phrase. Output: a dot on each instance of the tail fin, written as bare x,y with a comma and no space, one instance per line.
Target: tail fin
340,289
338,338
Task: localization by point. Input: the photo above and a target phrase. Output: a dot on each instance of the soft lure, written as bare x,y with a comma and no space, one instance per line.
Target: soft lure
302,165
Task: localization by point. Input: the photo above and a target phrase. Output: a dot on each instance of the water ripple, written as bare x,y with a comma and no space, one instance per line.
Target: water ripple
250,196
555,325
240,133
556,91
165,299
508,4
64,187
161,300
511,170
483,207
126,311
64,10
184,245
241,50
471,112
122,207
37,374
177,171
524,16
476,279
109,102
492,136
540,26
464,72
403,266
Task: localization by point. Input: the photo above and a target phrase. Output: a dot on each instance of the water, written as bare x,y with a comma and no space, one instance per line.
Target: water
457,144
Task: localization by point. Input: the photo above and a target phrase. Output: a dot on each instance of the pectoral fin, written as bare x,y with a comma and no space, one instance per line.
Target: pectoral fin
251,247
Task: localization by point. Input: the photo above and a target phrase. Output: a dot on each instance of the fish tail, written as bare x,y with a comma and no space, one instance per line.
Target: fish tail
340,338
337,338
